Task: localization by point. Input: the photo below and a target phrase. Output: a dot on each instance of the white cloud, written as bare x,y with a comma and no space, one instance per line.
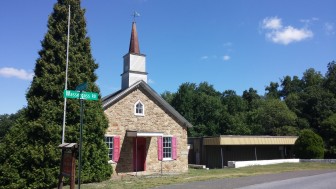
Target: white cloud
288,35
285,35
18,73
329,28
272,23
226,57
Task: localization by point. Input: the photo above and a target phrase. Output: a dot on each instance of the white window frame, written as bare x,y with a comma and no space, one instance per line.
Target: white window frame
171,148
135,108
110,160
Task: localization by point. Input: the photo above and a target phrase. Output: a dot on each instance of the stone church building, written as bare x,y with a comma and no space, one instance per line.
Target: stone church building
145,133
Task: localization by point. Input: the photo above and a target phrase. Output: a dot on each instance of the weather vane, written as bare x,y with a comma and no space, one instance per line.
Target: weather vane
135,14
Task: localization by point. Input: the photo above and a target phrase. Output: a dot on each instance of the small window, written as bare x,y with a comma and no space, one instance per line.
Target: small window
139,108
167,147
109,142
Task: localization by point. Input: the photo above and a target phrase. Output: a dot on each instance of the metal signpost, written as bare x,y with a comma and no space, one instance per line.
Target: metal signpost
80,93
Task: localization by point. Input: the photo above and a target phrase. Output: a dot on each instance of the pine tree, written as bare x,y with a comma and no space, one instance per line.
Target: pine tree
34,157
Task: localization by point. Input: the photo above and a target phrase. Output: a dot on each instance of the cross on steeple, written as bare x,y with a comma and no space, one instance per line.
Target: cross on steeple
135,14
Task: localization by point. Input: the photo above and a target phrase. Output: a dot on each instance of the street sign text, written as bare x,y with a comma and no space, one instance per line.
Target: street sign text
80,95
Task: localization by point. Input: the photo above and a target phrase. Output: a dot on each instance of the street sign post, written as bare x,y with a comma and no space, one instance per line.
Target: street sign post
80,142
80,95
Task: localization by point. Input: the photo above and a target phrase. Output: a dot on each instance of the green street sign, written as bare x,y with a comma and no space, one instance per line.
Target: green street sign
80,95
82,87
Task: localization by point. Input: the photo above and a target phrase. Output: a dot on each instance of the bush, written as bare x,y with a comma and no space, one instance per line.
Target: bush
309,145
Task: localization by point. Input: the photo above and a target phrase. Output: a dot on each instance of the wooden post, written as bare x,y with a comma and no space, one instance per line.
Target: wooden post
73,171
60,177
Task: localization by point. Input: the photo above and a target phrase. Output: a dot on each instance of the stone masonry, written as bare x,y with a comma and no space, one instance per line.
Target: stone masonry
121,118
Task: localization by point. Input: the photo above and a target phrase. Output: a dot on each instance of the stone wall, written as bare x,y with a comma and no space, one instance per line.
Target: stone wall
121,118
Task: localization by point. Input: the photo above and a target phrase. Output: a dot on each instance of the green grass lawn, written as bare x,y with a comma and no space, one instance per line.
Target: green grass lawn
202,175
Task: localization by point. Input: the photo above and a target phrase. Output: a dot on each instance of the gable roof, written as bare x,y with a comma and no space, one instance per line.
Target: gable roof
115,97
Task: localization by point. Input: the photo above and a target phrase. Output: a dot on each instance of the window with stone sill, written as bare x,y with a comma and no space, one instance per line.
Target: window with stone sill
167,148
109,143
139,108
113,146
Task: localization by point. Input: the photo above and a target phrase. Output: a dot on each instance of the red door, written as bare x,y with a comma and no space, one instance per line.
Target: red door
139,154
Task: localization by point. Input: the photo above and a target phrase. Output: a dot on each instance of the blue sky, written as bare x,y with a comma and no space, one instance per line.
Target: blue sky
231,44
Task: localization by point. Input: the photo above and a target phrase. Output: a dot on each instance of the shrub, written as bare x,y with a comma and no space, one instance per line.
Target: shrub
309,145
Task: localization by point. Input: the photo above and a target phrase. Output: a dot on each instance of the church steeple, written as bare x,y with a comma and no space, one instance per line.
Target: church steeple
134,62
134,42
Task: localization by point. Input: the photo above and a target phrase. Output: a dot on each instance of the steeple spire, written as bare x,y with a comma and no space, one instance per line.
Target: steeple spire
134,43
134,63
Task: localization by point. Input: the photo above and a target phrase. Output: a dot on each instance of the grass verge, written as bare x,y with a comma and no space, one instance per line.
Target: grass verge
202,175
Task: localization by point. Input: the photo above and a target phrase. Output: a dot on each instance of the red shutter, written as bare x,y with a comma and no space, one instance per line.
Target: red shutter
174,148
116,148
160,154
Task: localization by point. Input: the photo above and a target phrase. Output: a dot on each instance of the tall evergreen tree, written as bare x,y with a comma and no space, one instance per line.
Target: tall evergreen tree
37,158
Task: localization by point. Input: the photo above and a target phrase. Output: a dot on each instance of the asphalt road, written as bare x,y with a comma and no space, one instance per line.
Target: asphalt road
322,181
317,179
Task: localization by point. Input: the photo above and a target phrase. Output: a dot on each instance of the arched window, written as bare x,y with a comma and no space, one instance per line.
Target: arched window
139,108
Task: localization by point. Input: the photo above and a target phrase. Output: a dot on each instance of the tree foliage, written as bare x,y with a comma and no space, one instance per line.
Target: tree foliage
201,105
287,107
274,114
30,157
330,79
328,132
309,145
7,121
272,90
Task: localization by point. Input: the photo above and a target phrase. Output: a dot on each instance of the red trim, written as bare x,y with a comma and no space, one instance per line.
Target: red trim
174,148
116,148
159,142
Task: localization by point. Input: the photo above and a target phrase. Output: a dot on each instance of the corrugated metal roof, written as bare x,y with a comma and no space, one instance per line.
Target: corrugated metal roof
250,140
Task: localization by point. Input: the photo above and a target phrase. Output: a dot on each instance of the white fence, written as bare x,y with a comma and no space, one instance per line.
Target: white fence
238,164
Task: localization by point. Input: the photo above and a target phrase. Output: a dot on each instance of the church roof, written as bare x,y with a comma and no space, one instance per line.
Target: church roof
134,42
115,97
